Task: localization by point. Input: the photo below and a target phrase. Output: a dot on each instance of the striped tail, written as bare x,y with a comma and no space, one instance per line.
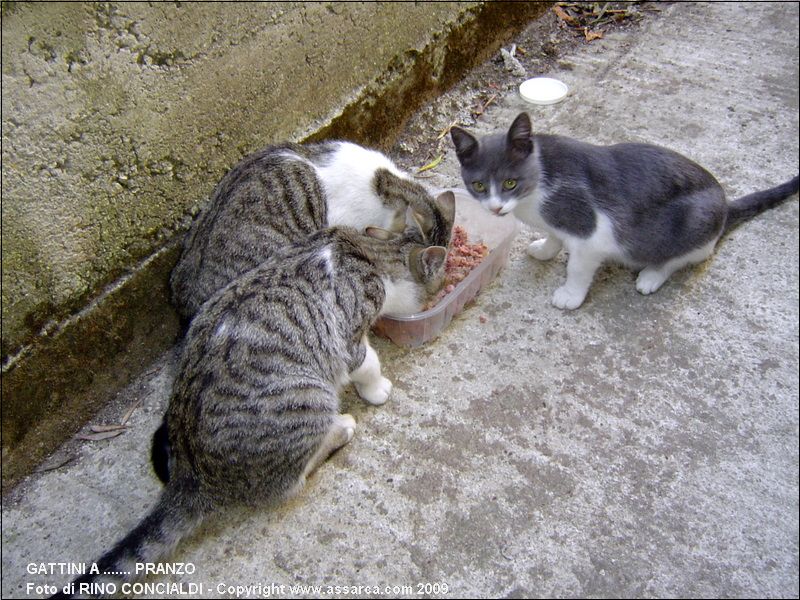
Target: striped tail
176,515
749,206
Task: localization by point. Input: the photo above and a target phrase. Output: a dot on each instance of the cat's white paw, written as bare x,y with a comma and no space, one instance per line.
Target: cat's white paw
376,392
543,249
649,280
348,423
567,299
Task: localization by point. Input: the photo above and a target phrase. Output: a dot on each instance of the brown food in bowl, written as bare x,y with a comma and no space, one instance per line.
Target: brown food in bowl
462,257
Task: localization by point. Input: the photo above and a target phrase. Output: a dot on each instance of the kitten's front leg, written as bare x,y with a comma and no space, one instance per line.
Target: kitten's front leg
581,267
545,249
370,384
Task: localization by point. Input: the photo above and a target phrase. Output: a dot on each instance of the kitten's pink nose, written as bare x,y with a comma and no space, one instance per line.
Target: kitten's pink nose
496,210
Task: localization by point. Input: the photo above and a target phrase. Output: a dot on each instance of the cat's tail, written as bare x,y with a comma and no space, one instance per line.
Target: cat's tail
160,451
177,514
750,205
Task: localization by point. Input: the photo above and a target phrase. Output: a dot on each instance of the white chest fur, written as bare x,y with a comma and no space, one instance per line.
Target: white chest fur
528,209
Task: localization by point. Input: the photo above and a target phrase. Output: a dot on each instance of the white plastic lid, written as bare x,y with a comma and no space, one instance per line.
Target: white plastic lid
543,90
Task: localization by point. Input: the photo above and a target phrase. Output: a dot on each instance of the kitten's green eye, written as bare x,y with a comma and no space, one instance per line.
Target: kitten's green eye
478,186
509,184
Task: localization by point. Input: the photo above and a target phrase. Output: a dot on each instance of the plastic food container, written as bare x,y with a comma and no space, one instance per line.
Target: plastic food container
481,226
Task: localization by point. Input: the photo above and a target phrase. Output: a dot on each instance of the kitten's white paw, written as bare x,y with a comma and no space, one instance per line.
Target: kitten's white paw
376,392
649,280
542,250
348,423
567,299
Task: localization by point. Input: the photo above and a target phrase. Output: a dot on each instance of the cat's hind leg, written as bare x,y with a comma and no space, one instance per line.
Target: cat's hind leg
653,277
370,384
581,267
545,249
340,433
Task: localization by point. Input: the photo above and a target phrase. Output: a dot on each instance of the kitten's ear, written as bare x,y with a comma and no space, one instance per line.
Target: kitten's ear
424,222
519,137
433,258
379,233
466,144
446,203
427,263
433,226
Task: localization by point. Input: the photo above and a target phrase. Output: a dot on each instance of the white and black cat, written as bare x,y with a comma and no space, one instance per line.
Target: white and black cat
642,205
284,193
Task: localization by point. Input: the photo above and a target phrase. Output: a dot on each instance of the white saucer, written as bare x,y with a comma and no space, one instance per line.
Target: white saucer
543,90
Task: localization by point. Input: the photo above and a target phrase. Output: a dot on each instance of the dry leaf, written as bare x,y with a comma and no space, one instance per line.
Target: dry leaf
130,412
431,165
592,35
96,437
481,109
447,130
53,464
564,15
104,428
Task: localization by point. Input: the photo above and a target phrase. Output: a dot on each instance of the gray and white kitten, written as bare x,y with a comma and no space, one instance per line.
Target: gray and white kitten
284,193
642,205
255,404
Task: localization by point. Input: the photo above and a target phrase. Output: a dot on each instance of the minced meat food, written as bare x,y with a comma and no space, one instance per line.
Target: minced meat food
461,259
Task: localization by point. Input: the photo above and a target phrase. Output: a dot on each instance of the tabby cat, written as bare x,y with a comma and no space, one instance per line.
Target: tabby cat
642,205
255,405
284,193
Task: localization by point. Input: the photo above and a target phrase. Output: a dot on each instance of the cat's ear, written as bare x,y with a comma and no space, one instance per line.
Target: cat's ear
446,203
428,223
424,222
379,233
433,258
427,263
466,144
519,140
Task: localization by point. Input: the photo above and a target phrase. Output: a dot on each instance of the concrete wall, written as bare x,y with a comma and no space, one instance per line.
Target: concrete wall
118,120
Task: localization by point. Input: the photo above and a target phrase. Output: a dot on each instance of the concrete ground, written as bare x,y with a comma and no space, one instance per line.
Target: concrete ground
639,446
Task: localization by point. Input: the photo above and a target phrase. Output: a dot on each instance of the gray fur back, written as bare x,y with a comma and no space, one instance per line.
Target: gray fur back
269,200
257,387
660,203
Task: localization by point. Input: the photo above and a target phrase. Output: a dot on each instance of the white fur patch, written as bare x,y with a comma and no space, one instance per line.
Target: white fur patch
527,209
402,298
292,156
651,278
326,255
347,178
602,243
545,249
585,256
495,203
370,384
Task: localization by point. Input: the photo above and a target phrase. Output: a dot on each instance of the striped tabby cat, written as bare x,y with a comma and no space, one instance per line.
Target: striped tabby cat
255,406
284,193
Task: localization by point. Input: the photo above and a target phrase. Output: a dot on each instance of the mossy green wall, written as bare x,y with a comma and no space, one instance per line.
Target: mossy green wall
119,119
